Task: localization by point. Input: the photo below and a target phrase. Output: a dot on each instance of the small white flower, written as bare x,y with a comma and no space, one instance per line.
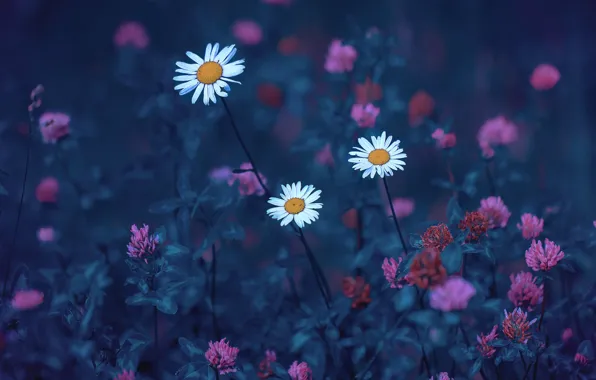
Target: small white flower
296,204
209,75
382,156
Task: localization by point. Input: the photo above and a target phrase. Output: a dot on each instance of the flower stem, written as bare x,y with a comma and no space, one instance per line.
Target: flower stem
11,248
244,148
316,268
155,320
467,342
216,373
213,282
401,236
425,361
543,308
489,178
319,275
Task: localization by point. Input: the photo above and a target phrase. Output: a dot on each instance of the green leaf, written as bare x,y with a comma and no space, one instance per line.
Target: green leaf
3,190
493,304
475,368
299,340
404,298
167,305
451,319
175,250
166,206
454,211
189,348
425,318
452,258
141,299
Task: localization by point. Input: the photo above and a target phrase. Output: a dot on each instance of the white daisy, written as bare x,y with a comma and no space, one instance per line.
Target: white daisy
296,204
209,75
382,156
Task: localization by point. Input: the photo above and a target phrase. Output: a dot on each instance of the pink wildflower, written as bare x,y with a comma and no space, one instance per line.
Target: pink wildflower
131,33
300,371
221,174
524,292
453,294
494,132
391,271
265,370
340,58
544,77
125,375
403,207
441,376
444,140
545,258
531,226
26,299
581,359
484,341
47,190
247,32
54,126
141,243
325,157
567,334
46,234
249,183
365,115
516,326
495,210
222,357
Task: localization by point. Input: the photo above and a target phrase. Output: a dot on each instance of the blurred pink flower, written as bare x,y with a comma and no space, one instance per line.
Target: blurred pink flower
249,183
391,271
531,226
567,334
444,140
131,33
27,299
544,77
494,132
453,294
222,357
495,210
141,243
365,116
524,292
247,32
46,234
265,370
543,258
594,223
125,375
403,207
300,371
47,190
441,376
325,157
53,126
581,359
483,346
221,174
340,58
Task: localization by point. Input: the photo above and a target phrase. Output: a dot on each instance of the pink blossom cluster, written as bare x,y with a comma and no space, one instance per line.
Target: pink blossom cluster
27,299
453,294
222,356
444,140
125,375
142,244
365,115
543,257
248,183
441,376
495,132
54,126
524,292
300,371
484,342
531,226
496,211
340,58
390,269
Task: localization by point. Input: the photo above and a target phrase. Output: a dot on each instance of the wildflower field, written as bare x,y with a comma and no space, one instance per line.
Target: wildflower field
300,190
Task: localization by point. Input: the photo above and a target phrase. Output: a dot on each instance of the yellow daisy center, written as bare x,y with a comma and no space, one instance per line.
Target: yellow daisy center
379,157
294,206
209,72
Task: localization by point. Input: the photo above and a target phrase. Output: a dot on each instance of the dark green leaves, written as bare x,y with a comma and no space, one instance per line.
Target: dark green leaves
452,257
190,349
404,298
454,211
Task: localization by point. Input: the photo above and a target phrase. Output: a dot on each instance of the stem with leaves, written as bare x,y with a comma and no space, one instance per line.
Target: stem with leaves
316,268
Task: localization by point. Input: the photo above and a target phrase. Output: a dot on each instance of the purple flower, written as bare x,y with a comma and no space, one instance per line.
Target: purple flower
141,243
453,294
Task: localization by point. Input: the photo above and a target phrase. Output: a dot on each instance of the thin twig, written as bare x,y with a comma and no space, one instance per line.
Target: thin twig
401,236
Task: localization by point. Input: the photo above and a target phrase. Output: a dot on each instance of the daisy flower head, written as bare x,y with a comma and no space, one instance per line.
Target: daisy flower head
209,75
296,204
379,156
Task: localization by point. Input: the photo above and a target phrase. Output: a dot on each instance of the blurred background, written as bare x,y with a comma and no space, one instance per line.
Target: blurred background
471,60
